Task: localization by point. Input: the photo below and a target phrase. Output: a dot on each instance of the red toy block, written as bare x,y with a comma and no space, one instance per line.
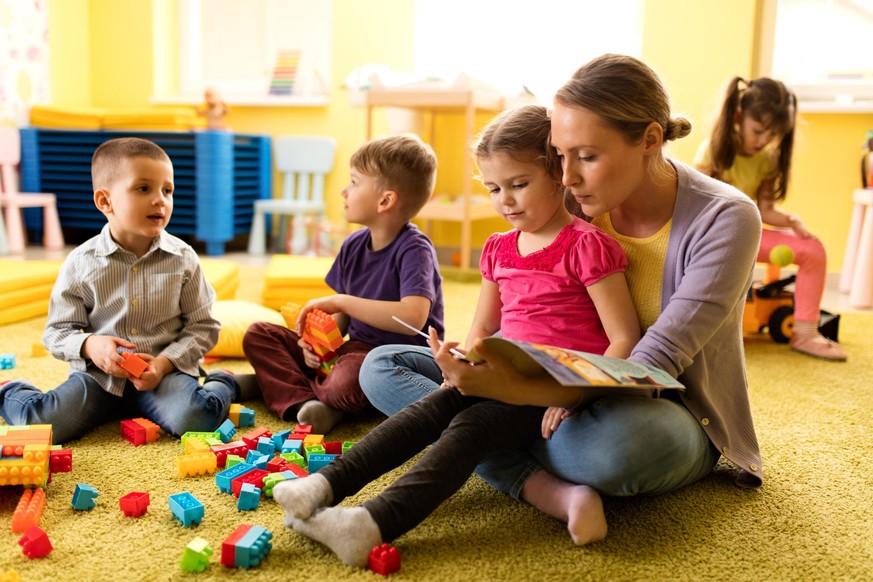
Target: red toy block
333,448
277,465
61,460
228,546
34,543
251,437
134,364
384,559
298,470
134,504
29,510
238,448
139,431
303,429
255,477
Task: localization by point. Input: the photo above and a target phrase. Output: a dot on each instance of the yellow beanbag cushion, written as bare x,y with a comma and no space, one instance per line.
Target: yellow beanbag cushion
236,317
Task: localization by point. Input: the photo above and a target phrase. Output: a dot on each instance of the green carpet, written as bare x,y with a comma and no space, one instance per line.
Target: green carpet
813,519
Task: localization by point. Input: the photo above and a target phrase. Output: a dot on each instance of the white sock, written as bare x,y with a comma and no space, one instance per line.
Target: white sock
349,532
300,497
319,415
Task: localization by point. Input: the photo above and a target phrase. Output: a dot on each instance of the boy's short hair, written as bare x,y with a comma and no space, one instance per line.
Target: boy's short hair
107,156
402,163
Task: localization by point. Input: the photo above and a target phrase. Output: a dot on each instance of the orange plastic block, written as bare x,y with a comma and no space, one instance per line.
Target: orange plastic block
139,431
134,364
196,464
323,327
32,468
29,510
290,312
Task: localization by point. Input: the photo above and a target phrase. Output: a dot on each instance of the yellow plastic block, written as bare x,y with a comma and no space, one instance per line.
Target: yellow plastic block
194,464
290,311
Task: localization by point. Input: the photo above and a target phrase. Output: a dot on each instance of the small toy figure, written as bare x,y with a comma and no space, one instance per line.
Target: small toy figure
214,110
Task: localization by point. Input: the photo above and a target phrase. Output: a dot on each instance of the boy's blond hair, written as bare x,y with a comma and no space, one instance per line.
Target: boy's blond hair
402,163
107,156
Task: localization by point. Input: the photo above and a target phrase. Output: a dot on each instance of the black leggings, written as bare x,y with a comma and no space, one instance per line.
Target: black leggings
462,429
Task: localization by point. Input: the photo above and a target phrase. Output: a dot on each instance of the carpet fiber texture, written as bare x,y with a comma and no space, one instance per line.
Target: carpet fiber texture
812,520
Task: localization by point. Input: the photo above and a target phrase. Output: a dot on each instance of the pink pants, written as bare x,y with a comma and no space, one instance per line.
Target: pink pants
811,260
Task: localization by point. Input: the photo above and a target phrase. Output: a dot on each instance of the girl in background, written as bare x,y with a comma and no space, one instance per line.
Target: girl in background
553,279
750,148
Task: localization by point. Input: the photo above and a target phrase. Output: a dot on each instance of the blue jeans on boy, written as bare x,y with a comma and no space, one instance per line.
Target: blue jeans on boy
619,446
179,404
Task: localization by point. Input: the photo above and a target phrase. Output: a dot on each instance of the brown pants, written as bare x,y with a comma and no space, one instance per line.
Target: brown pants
285,379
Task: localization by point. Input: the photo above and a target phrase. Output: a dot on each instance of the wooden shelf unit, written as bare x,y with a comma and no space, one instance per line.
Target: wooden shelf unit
436,100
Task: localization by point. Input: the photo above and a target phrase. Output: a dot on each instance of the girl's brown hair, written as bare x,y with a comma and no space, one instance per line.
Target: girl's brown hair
522,133
767,101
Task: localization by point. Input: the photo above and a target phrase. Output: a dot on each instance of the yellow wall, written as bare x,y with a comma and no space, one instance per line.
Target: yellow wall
103,55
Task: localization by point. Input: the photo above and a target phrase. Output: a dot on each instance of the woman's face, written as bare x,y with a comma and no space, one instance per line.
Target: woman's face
599,166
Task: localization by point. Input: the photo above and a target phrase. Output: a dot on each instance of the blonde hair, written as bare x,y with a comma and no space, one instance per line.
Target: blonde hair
628,95
107,156
402,163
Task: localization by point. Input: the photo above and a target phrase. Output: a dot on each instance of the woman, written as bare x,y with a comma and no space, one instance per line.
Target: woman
691,243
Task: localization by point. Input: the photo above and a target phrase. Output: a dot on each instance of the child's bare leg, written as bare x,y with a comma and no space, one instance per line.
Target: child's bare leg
579,506
349,532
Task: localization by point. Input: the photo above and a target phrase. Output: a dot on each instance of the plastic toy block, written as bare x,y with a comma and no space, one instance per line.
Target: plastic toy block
241,416
10,576
249,497
272,479
347,445
312,450
195,558
384,559
196,446
25,464
195,464
297,470
294,458
139,431
333,447
83,497
303,429
221,452
251,437
186,508
233,413
265,446
224,479
231,460
279,438
324,328
7,361
60,460
277,465
290,312
317,462
246,547
35,543
255,477
257,460
29,510
226,431
210,438
292,445
37,350
134,504
134,364
313,439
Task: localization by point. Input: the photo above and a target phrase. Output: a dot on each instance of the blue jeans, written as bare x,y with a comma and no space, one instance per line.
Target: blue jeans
179,404
619,446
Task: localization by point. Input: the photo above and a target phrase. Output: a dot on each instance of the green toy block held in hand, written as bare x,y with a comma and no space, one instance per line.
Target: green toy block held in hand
781,255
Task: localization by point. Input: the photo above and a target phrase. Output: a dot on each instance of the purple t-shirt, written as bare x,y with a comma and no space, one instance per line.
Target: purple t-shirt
407,266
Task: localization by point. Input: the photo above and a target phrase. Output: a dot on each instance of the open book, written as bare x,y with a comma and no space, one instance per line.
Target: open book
572,368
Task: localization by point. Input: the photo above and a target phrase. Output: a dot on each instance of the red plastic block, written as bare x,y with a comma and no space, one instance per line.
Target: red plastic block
228,546
34,543
298,470
333,448
134,364
29,510
61,460
255,477
251,437
384,559
221,452
139,431
134,504
277,465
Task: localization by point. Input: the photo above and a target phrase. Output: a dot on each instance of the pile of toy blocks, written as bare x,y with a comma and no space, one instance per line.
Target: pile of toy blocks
296,279
321,332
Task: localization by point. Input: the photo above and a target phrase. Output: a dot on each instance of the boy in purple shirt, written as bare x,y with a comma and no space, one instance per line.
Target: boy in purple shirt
387,269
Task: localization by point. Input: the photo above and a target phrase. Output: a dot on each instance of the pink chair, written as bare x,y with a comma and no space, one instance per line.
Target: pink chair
13,200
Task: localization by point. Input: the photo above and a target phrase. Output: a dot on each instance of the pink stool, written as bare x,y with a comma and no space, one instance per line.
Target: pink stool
857,277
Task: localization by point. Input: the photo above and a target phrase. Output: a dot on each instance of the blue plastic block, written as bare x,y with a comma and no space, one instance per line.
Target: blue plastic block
266,446
319,461
83,497
249,497
253,547
7,361
226,431
279,438
186,508
257,460
246,417
224,478
292,445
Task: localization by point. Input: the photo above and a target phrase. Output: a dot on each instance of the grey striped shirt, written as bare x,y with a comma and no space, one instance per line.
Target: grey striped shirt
160,302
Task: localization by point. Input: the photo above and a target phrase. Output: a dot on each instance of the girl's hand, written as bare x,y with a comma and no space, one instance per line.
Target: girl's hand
103,351
798,227
309,356
552,420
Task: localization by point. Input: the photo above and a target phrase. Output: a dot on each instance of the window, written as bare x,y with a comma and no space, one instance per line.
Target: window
823,49
258,50
512,44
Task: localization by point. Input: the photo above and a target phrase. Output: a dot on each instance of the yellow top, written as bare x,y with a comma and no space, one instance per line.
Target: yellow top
645,270
747,172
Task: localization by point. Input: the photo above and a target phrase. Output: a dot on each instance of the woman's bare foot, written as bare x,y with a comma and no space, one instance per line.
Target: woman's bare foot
579,506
